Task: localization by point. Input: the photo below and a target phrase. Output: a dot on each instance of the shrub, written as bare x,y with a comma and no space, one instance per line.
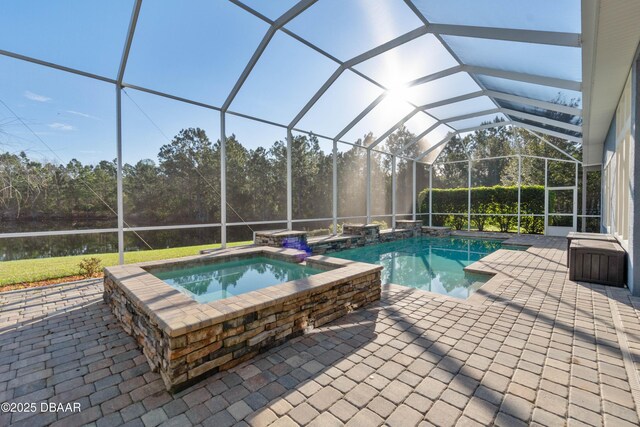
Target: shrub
90,267
532,224
339,227
383,224
458,222
320,231
479,221
500,202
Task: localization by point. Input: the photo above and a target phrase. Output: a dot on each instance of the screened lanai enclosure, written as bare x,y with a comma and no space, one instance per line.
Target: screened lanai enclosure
139,125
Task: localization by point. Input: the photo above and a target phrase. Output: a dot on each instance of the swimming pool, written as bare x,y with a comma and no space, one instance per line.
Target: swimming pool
211,282
433,264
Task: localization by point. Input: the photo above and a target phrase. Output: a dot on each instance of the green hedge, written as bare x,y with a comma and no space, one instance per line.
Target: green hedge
495,201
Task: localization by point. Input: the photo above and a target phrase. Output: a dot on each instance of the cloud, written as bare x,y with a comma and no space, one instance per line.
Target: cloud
61,126
35,97
78,113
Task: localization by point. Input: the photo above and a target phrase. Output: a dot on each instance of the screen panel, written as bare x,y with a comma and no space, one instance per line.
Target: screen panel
544,60
78,245
408,62
88,36
171,161
198,62
256,171
442,89
481,103
352,184
356,26
404,187
380,119
542,15
533,91
57,150
276,89
342,102
381,184
312,177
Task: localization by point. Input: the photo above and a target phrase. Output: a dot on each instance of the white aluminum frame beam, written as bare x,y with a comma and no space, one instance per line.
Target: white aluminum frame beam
548,132
129,40
395,127
523,77
436,76
394,184
443,141
484,126
57,66
508,34
417,139
540,119
453,100
507,97
472,115
534,102
546,141
135,13
360,116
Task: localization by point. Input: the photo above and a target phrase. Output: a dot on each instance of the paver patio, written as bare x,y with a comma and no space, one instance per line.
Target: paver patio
531,347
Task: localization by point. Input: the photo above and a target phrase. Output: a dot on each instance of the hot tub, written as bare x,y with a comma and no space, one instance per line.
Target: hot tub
198,315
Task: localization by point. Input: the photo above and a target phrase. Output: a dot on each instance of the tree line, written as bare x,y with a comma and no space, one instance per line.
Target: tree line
182,184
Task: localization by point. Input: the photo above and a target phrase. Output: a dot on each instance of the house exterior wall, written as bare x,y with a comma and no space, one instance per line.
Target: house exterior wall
619,190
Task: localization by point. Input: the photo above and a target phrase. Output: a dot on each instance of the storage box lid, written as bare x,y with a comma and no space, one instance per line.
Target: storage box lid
597,246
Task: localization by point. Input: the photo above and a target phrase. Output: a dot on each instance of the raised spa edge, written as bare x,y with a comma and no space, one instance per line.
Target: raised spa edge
186,340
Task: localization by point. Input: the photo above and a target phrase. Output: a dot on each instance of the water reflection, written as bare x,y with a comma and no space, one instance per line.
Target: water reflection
431,264
217,281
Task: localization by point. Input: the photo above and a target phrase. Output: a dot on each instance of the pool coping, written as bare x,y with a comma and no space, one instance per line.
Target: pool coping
176,313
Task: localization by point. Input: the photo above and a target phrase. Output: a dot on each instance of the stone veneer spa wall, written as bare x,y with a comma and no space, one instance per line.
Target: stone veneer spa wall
185,340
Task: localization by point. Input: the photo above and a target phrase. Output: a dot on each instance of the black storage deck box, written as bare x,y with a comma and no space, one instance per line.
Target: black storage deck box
597,262
576,235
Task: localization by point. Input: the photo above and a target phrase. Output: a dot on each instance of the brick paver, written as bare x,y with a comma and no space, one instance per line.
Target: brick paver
529,347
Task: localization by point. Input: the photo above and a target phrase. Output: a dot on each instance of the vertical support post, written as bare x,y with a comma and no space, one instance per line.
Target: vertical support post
469,195
121,69
584,199
368,196
519,187
431,195
575,202
289,183
223,181
119,188
335,187
394,183
414,194
546,197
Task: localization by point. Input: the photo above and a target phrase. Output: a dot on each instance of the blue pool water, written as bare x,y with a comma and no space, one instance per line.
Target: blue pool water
206,283
429,263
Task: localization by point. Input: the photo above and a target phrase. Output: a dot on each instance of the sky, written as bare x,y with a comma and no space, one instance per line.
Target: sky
198,52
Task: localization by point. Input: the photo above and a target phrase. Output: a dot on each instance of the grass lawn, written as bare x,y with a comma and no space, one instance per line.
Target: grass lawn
34,270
